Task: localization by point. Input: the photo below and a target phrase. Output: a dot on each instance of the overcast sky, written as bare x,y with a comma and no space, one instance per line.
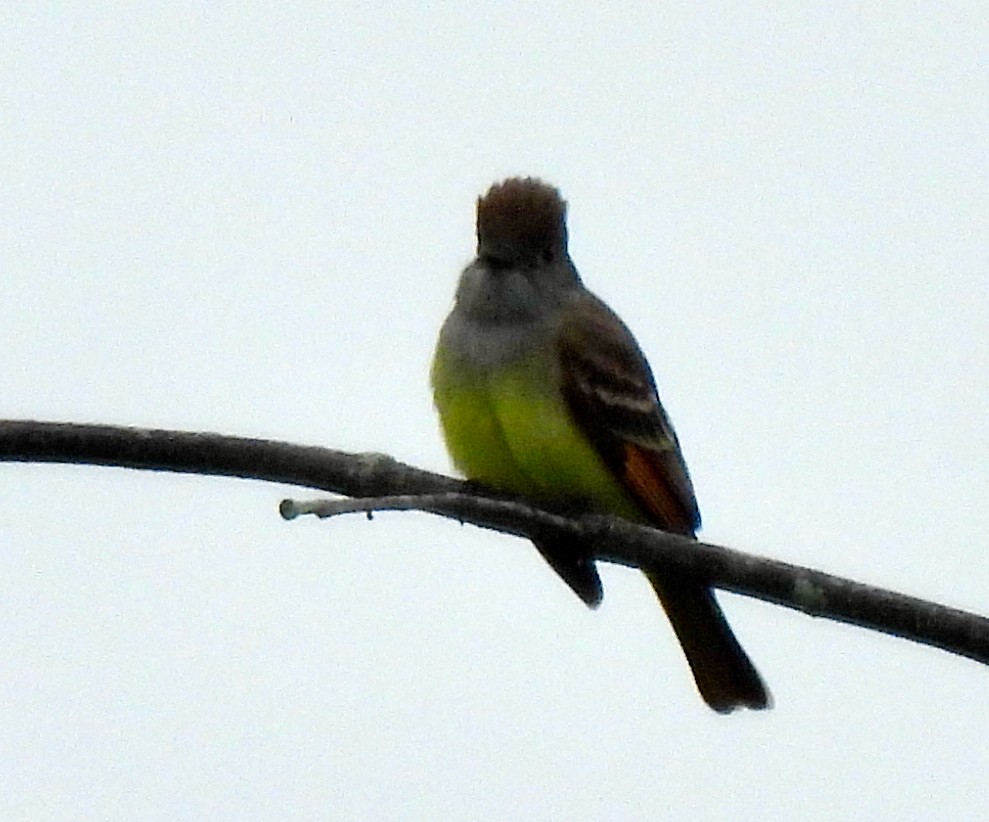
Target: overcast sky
250,219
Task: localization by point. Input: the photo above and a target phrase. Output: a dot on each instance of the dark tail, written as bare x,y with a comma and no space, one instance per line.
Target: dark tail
724,674
579,572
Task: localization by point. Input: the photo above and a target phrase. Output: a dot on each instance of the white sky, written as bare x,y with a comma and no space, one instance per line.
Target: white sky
250,219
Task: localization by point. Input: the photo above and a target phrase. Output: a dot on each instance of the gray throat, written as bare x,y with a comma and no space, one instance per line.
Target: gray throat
501,315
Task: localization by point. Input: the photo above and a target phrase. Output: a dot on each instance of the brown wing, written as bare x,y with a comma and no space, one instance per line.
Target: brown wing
611,392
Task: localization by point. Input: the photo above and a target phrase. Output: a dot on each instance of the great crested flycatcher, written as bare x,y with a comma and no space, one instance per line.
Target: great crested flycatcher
543,392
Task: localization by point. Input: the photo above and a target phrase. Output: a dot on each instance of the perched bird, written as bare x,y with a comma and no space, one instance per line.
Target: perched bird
542,391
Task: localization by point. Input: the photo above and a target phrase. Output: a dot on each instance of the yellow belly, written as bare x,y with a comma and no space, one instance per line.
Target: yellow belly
512,431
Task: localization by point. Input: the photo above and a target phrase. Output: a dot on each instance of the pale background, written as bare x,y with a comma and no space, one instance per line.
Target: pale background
249,218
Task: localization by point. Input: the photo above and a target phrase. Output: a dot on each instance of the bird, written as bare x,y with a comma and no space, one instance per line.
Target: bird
542,391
